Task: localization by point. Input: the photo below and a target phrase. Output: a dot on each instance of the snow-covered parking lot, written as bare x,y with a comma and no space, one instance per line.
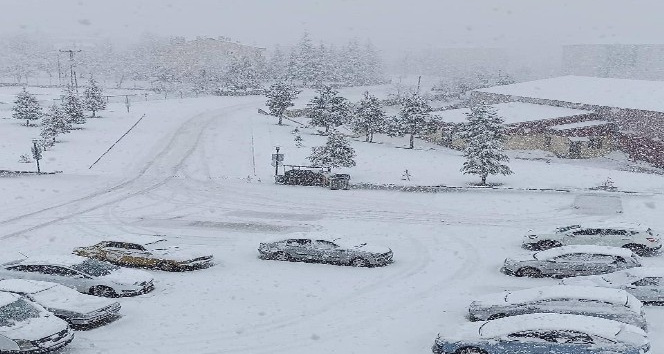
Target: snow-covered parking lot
190,175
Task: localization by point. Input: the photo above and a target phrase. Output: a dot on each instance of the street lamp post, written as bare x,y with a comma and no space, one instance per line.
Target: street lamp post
36,153
276,165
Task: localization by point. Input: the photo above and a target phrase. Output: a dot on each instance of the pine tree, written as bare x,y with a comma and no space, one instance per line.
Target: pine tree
328,109
277,67
280,96
49,129
306,61
484,135
59,119
413,119
72,107
337,152
369,117
26,107
94,98
242,74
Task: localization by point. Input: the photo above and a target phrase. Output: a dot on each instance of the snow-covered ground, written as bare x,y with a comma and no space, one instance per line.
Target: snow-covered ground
198,170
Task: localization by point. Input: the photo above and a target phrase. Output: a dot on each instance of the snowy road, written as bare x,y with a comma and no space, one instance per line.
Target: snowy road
448,248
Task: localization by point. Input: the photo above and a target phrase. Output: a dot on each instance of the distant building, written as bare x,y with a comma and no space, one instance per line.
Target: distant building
568,133
636,107
622,61
205,53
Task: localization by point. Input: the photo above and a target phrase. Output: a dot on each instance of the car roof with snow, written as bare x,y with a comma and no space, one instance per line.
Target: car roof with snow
562,322
59,260
614,296
25,286
649,272
607,225
142,240
589,249
7,298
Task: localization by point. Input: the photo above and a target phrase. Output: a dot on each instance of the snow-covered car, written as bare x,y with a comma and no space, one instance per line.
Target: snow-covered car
146,252
544,333
571,261
86,275
612,304
641,240
70,305
335,251
27,328
645,283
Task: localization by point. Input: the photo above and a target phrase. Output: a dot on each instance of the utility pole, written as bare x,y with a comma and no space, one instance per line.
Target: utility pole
419,81
72,72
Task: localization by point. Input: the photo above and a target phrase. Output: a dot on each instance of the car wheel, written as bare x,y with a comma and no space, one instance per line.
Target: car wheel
496,316
638,249
546,244
282,256
359,262
470,350
103,291
529,272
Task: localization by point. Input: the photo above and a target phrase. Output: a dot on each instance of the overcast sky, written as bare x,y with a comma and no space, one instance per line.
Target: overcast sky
390,24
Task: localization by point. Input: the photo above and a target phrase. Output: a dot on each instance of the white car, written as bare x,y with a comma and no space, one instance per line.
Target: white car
70,305
544,333
645,283
612,304
86,275
26,327
641,240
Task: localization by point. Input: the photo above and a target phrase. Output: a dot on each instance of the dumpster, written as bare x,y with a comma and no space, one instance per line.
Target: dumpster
339,181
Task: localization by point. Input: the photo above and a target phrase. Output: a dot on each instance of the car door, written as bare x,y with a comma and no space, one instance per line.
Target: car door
135,255
65,276
535,342
328,251
114,252
616,237
27,271
582,236
299,249
647,289
567,265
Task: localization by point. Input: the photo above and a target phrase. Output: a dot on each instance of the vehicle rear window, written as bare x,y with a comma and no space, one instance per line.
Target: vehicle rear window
18,311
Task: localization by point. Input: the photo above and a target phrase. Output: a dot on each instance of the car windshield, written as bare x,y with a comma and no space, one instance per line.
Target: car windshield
95,268
18,311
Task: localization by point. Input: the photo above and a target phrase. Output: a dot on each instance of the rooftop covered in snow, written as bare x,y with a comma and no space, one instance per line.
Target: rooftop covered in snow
620,93
515,112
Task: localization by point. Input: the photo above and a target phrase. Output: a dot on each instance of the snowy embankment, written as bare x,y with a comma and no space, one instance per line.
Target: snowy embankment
198,171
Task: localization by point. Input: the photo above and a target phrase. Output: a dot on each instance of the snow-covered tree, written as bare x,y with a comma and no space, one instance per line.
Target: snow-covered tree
72,107
278,65
58,122
280,96
369,117
298,140
49,130
328,109
242,74
484,136
413,119
26,107
336,152
94,97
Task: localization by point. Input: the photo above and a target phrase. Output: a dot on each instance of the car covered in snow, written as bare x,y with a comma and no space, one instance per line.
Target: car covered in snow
78,309
146,252
86,275
612,304
641,240
27,328
336,251
645,283
544,333
571,261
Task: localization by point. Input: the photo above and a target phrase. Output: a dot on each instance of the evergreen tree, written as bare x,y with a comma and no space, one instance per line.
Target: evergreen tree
337,152
413,119
26,107
484,135
242,74
94,97
72,107
59,119
306,61
277,67
49,130
280,96
369,117
328,109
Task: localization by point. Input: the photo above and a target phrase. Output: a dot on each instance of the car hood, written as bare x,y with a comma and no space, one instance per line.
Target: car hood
589,280
364,247
127,276
519,259
496,299
177,254
78,303
35,328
